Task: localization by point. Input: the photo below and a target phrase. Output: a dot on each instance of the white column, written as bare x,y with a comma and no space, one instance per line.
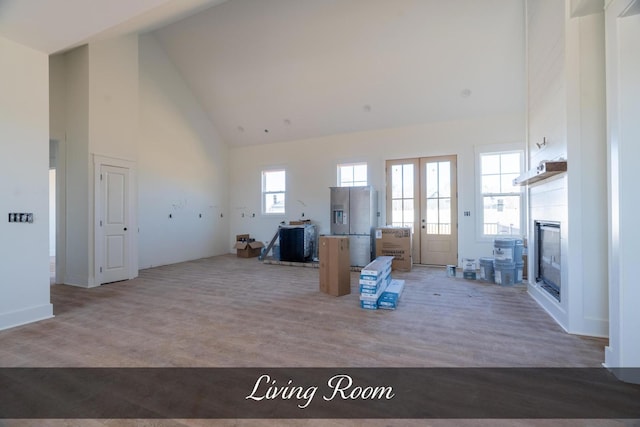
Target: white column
623,133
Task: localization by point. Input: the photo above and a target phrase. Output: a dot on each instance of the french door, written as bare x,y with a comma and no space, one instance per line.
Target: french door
422,194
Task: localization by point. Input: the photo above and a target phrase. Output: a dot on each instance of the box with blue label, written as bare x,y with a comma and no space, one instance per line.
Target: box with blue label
391,295
376,268
371,287
368,305
370,300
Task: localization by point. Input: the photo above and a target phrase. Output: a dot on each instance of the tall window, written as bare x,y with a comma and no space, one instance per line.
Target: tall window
501,204
352,175
273,191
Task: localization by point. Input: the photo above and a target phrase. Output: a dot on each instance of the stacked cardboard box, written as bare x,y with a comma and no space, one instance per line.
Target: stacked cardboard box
396,242
390,297
247,247
374,279
335,271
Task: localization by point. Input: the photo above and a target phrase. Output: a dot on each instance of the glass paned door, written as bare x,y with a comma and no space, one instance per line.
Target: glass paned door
438,229
422,194
402,197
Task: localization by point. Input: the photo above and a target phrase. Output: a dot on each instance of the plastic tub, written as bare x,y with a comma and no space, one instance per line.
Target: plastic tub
508,249
519,270
486,269
504,272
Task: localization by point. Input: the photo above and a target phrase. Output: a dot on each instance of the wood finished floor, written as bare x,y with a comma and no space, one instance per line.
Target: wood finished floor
231,312
226,311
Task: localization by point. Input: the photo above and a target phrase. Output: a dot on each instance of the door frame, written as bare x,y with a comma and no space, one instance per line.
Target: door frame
453,159
98,231
418,177
415,161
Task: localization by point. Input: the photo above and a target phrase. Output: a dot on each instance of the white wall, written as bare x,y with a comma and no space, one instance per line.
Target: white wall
57,139
76,166
113,133
113,97
24,165
623,92
565,70
183,168
311,170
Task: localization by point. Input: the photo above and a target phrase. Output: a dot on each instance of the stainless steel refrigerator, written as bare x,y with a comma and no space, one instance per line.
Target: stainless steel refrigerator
354,213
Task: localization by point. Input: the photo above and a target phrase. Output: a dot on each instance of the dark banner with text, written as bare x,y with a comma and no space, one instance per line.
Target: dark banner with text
187,393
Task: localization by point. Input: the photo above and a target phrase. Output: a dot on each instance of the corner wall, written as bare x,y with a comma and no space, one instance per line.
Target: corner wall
183,168
24,166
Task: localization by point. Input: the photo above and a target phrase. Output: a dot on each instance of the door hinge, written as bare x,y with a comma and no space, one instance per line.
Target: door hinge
100,223
100,269
100,177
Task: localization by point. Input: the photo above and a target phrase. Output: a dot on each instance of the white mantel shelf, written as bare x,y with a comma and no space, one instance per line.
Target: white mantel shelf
543,171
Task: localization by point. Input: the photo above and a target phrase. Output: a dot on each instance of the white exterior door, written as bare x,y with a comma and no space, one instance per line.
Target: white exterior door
114,223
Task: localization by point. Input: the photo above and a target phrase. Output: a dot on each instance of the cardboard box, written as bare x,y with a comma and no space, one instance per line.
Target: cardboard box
393,290
368,305
300,222
246,247
335,265
369,301
372,287
377,268
396,242
391,296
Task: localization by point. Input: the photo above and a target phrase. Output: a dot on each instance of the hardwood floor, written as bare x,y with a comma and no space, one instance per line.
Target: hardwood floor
232,312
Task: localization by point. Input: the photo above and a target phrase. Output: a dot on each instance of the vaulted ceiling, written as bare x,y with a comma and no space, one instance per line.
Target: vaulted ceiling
278,70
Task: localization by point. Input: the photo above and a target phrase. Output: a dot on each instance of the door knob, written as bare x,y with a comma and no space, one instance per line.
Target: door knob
125,229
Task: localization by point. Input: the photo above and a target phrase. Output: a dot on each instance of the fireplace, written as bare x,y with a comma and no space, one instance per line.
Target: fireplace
547,261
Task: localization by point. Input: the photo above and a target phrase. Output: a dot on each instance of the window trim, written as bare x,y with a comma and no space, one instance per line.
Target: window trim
263,192
350,164
479,196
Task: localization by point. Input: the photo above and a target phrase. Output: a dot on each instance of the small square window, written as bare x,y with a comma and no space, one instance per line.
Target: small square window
352,175
273,191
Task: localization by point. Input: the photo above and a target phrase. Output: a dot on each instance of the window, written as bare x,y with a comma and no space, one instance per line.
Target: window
402,193
500,199
273,191
351,175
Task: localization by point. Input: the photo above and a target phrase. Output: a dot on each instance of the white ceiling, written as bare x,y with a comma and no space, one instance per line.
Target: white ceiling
278,70
55,25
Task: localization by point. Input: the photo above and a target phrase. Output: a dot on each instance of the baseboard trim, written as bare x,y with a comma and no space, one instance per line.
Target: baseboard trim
28,315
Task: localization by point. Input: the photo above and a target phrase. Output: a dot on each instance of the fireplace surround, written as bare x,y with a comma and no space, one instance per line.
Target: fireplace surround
548,257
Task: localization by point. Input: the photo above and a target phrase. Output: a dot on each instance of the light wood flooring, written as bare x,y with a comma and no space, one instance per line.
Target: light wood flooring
232,312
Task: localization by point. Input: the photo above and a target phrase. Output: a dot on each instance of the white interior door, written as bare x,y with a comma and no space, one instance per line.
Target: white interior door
115,223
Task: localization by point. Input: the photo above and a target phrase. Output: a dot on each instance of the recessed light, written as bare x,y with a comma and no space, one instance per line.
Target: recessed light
240,129
465,93
287,122
367,108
